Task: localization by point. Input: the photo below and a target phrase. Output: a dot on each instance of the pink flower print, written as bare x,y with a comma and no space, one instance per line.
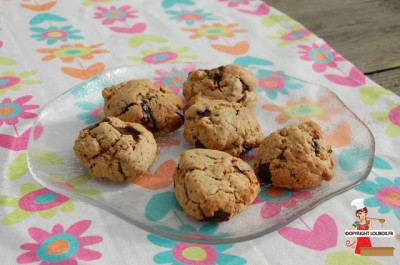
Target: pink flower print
12,111
275,199
60,246
250,156
235,3
323,56
112,14
9,80
391,116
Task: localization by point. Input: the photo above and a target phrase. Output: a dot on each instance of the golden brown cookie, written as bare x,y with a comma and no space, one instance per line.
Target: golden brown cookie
212,185
221,125
157,108
296,157
115,150
231,83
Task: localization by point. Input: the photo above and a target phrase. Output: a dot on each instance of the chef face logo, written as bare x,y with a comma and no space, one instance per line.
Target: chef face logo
362,231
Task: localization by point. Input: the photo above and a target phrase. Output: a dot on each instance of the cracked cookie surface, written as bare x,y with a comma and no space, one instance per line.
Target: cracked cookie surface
231,83
212,185
157,108
221,125
296,156
115,150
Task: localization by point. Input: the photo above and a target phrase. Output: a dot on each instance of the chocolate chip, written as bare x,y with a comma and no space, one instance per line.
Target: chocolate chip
91,127
216,74
129,131
199,144
203,114
148,119
246,148
315,145
218,216
264,174
126,109
181,115
245,87
330,150
150,98
281,157
121,171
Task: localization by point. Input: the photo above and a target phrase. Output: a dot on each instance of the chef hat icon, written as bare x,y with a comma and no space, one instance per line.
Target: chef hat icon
358,203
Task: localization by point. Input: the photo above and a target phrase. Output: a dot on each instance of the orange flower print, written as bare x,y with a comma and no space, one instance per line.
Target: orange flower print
302,110
68,53
160,179
214,31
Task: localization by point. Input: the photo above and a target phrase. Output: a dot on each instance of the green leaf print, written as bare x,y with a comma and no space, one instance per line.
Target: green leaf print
7,61
346,257
17,168
46,158
139,40
370,94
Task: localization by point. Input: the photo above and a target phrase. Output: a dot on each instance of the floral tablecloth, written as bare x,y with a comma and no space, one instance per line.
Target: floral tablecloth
48,46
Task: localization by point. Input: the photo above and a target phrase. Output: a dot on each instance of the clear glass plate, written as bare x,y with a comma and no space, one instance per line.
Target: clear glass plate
149,202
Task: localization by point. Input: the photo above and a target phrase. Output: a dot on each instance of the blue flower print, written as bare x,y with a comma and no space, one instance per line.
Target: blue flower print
385,194
94,111
273,83
53,34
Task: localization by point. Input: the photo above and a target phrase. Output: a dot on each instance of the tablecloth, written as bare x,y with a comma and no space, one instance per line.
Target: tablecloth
48,46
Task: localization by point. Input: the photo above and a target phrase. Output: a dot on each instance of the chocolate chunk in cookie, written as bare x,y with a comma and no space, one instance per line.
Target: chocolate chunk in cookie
296,157
115,150
212,185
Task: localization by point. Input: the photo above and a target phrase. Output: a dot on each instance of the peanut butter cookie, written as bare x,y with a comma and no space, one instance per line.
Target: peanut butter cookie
212,185
221,125
231,83
296,157
155,107
115,150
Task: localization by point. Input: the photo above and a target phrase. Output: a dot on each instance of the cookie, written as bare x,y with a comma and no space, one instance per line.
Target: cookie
221,125
115,150
157,108
212,185
296,157
231,83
